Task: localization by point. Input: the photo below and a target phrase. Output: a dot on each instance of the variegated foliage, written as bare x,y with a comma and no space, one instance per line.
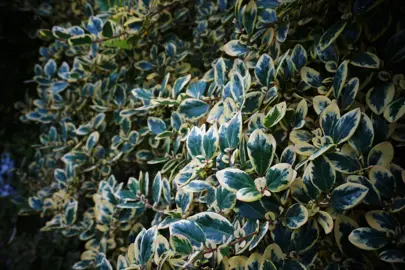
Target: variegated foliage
256,140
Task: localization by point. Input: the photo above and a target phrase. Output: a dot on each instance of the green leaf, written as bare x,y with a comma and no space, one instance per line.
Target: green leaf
365,60
368,238
193,109
118,43
189,229
234,179
264,70
181,244
311,77
105,5
108,29
225,200
321,173
296,216
379,97
248,194
347,196
331,35
214,226
279,177
275,115
70,213
261,148
80,40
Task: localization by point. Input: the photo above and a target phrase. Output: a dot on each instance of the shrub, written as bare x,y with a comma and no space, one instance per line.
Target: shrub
224,134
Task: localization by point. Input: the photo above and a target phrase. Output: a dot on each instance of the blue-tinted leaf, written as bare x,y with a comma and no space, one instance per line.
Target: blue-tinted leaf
296,216
346,126
368,238
311,77
392,256
349,93
383,180
234,179
379,97
279,177
193,109
235,48
94,25
219,72
190,230
372,197
395,110
275,115
214,226
347,196
210,141
322,174
365,60
299,57
249,16
281,32
195,142
197,89
305,237
179,85
143,65
156,125
329,117
264,70
261,148
363,137
382,221
331,35
340,78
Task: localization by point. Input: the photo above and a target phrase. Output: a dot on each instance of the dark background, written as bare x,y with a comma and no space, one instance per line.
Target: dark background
19,52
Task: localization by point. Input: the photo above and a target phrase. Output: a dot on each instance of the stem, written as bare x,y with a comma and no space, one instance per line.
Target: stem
148,205
209,250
